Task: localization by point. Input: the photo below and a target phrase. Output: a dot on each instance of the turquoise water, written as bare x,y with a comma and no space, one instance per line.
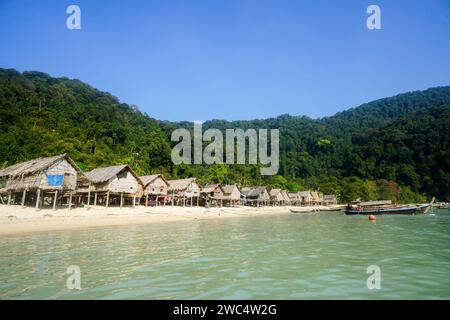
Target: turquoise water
290,256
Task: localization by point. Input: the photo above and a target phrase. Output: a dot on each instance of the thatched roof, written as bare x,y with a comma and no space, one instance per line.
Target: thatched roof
294,195
208,188
285,195
35,166
274,192
229,188
146,180
180,184
305,194
101,175
316,196
253,192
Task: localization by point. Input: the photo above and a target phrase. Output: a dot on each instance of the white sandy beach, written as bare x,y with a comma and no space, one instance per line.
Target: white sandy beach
15,219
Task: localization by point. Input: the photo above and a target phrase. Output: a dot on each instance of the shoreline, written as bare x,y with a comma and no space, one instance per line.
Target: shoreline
17,220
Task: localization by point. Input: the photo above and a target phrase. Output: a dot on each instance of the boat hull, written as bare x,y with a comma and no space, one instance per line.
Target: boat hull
380,211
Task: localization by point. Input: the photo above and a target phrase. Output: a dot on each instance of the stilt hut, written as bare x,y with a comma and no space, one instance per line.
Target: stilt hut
155,189
295,198
276,197
317,198
306,198
231,195
184,192
50,181
285,194
256,196
116,185
211,194
329,199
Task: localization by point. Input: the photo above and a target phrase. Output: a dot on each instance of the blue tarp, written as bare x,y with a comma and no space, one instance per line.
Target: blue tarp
55,180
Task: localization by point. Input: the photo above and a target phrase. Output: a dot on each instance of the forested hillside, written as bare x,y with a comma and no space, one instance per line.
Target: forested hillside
396,148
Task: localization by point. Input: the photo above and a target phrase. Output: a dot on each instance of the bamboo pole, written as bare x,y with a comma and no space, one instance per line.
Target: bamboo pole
70,200
24,194
88,199
54,200
121,200
9,198
42,199
107,199
95,199
38,198
146,200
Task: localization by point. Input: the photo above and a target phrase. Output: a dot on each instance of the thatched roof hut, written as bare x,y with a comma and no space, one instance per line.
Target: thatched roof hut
231,192
212,191
211,194
49,173
155,184
257,194
35,179
293,196
306,197
316,197
119,179
276,196
184,187
286,197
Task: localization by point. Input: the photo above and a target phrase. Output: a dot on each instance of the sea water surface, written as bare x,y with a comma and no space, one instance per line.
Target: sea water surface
290,256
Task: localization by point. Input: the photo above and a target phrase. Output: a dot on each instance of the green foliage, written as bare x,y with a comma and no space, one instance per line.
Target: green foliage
396,148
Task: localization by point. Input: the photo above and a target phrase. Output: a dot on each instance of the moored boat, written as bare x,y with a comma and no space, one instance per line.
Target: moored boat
333,208
383,207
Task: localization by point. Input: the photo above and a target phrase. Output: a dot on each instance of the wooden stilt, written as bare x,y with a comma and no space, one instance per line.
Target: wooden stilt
107,199
42,199
184,200
38,198
88,199
197,200
24,194
54,200
146,200
95,199
156,204
9,198
70,201
134,200
192,200
121,200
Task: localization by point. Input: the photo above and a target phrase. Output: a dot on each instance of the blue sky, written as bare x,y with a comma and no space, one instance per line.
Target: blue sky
233,59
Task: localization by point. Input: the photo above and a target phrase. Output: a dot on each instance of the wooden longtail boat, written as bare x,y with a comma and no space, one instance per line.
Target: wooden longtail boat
388,209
